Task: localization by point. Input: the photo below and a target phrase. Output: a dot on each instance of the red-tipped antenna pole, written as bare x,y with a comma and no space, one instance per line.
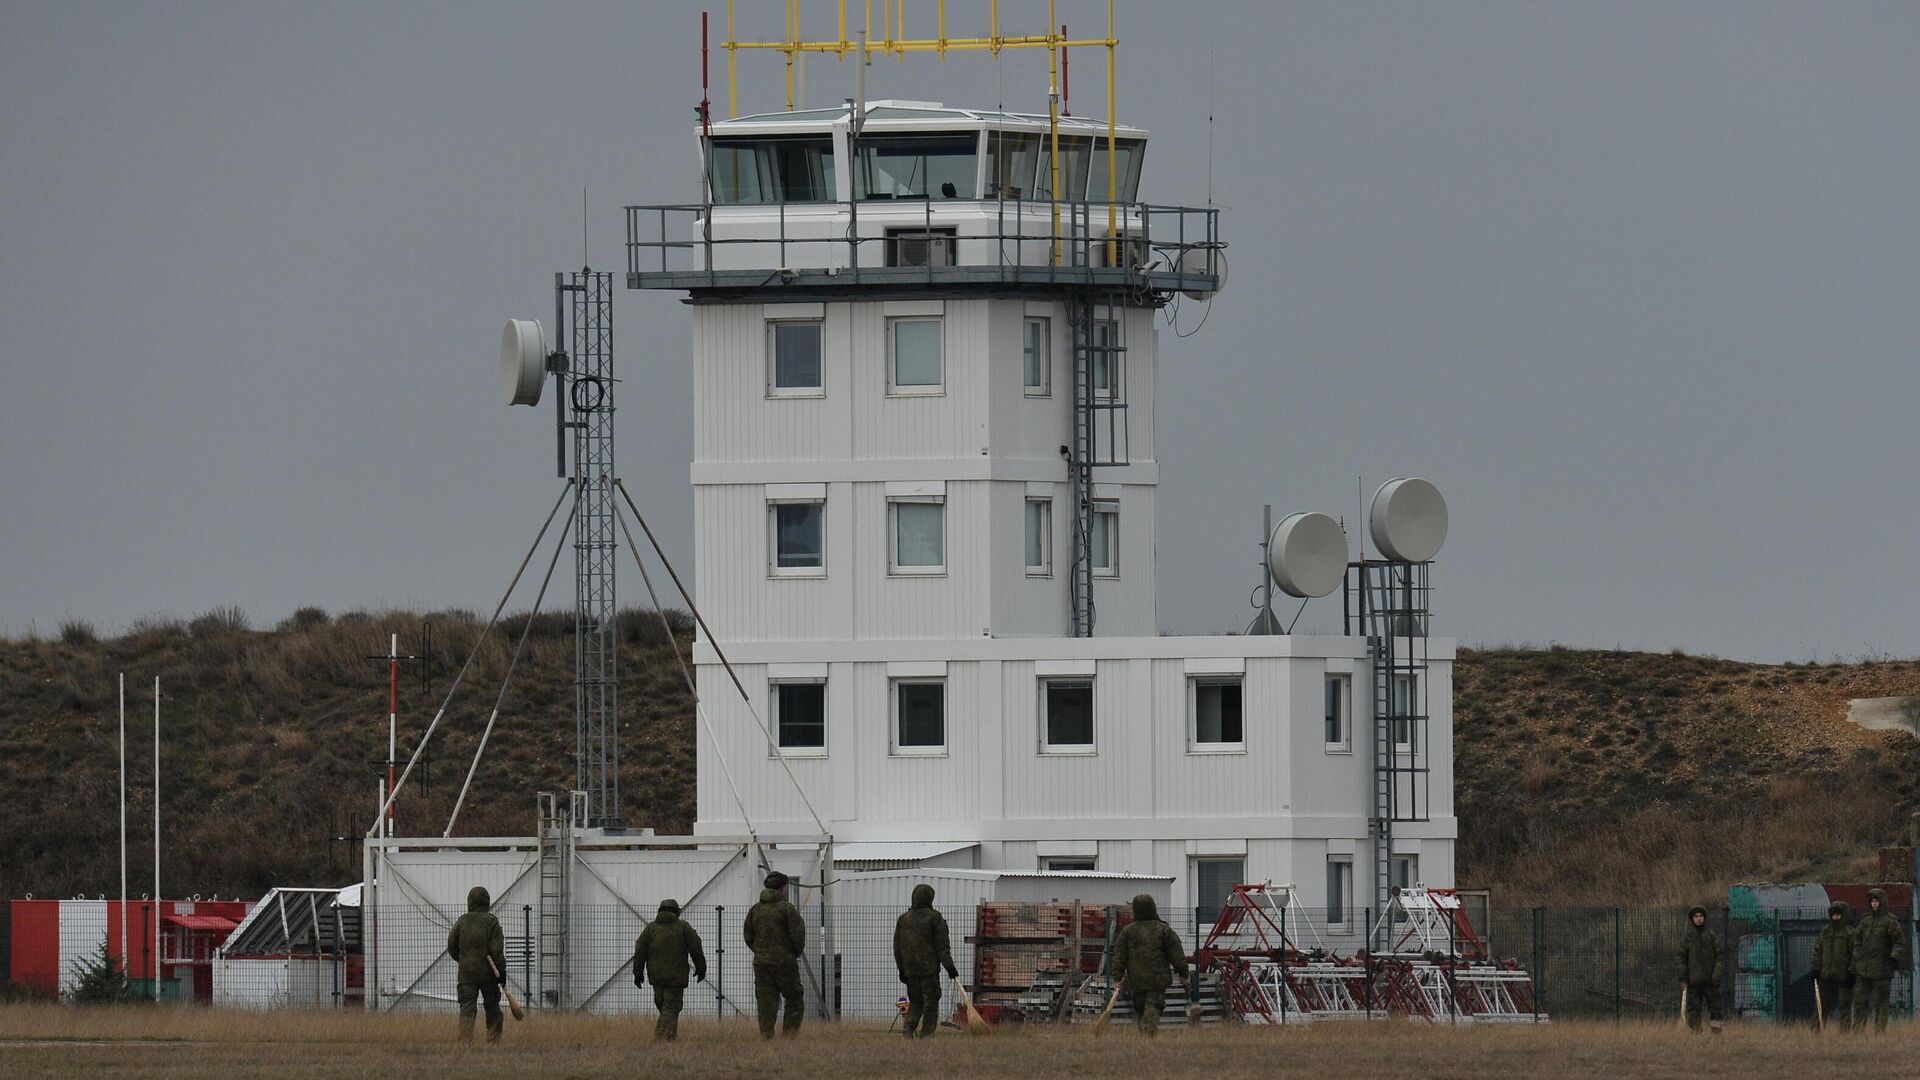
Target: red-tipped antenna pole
706,124
1066,93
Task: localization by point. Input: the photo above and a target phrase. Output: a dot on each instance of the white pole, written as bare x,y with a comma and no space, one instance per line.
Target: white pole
157,950
123,822
393,712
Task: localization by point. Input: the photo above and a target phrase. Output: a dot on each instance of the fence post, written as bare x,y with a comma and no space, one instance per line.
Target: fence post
1286,988
1616,965
1728,997
1539,959
1779,969
1367,968
526,950
719,957
1453,982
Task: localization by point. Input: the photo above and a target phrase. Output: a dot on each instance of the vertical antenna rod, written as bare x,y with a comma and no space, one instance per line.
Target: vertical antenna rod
158,952
123,822
393,715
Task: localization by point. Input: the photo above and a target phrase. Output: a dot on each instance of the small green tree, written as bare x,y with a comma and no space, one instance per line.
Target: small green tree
100,979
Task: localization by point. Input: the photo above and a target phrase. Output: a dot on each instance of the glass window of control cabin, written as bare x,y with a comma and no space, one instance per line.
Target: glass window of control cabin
1039,537
799,537
800,715
1066,719
762,171
1214,703
1036,355
1075,157
916,166
919,716
918,535
1011,157
1126,154
793,351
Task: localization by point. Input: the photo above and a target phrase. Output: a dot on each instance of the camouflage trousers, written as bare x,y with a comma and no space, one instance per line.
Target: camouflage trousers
668,1000
1836,1003
1147,1007
467,995
1703,998
771,984
923,1004
1870,1002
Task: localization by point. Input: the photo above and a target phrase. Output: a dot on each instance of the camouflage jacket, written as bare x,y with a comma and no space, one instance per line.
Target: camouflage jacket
1699,956
474,938
920,945
1147,954
774,931
664,948
1879,942
1833,951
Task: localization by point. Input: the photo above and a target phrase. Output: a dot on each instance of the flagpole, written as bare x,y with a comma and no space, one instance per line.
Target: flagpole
123,823
157,950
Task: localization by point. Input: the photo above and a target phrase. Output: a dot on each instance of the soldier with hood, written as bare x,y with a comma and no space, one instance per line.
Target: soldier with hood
1146,957
1833,967
1699,961
661,954
1879,950
778,937
920,950
477,945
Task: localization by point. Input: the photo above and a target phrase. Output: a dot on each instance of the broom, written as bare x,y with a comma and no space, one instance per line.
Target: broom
512,1005
1683,1006
976,1024
1100,1025
1819,1012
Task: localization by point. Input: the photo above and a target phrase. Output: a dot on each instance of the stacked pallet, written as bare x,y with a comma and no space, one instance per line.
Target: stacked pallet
1024,954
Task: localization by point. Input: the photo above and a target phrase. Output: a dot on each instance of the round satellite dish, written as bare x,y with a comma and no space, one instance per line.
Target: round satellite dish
1194,261
1408,519
1307,555
523,361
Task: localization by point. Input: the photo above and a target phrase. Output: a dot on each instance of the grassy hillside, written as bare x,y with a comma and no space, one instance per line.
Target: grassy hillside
1598,777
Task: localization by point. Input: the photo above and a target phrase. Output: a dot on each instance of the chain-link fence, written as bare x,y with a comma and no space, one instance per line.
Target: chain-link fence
1597,963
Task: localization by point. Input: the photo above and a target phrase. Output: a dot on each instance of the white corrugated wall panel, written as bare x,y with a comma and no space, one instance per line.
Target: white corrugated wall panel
1253,783
894,787
83,926
1067,786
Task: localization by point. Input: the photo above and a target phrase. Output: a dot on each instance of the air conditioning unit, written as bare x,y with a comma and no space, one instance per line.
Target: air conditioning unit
920,247
1128,250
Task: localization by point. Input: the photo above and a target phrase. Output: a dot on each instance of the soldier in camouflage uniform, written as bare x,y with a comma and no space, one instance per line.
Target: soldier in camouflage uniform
476,944
661,954
778,937
1146,957
1879,950
1699,960
920,950
1833,966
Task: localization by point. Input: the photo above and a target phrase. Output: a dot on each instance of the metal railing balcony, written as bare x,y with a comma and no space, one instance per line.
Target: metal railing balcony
921,242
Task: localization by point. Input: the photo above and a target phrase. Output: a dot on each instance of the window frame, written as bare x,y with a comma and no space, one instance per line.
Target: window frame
1194,743
1047,745
1106,516
1113,362
1042,352
895,388
1199,904
894,567
1043,568
775,748
1343,711
774,569
895,747
1080,864
1404,713
774,389
1339,876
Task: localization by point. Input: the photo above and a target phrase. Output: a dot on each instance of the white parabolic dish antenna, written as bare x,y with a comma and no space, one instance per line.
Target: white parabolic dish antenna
1193,262
1307,555
1408,519
523,361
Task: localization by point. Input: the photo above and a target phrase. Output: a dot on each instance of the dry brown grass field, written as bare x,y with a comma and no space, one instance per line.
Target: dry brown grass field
54,1041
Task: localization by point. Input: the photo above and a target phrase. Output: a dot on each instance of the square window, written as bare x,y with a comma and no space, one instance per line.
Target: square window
1040,536
794,353
1214,880
1067,714
1215,707
1074,864
1339,889
799,538
919,535
919,716
1103,547
1037,357
1338,722
913,356
800,715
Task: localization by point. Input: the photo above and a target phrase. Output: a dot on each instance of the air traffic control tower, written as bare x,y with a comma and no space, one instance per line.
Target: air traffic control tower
925,485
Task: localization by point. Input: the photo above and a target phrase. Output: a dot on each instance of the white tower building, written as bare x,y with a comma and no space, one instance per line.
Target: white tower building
925,487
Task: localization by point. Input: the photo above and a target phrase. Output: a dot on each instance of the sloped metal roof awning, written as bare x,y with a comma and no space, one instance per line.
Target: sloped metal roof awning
894,854
200,922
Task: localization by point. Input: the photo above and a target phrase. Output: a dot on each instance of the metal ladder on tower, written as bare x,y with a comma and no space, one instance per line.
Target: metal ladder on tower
1380,653
1099,368
556,892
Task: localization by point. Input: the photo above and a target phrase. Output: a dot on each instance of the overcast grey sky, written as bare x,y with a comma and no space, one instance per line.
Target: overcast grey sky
1635,284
